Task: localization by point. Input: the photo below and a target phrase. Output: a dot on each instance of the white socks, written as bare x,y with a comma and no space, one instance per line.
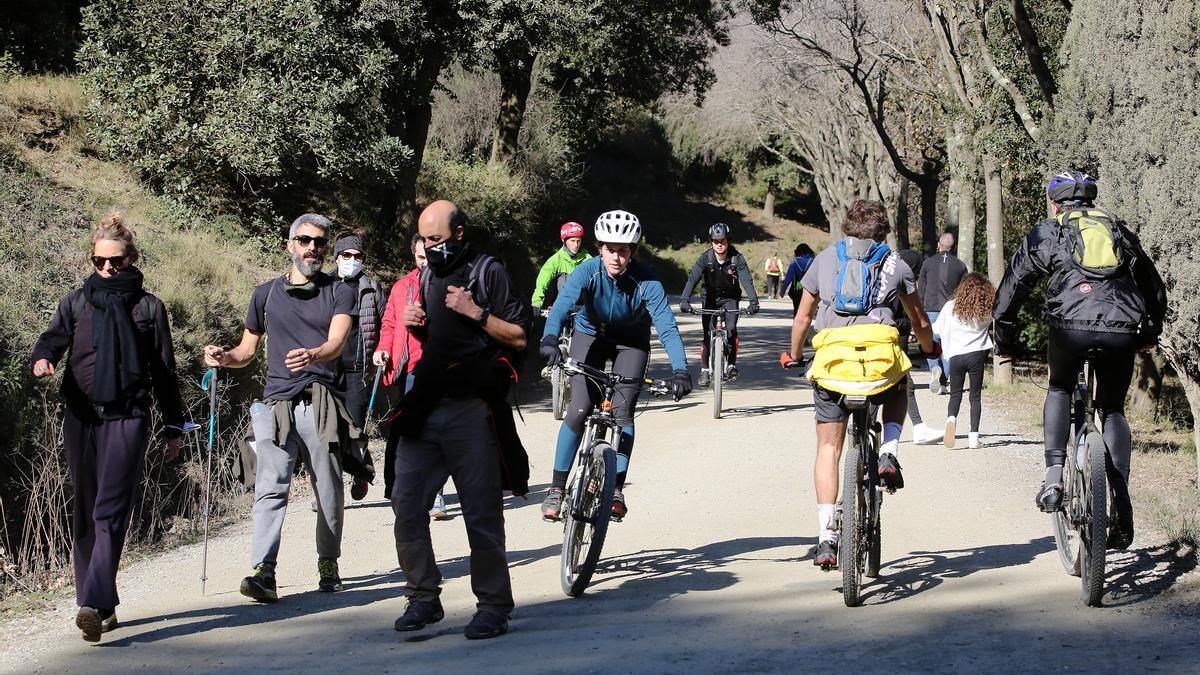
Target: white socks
825,514
891,438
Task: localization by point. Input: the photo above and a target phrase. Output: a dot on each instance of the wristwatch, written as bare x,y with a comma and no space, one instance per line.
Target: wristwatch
482,320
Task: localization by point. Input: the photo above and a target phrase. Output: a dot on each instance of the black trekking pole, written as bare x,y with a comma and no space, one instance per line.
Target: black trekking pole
374,389
210,383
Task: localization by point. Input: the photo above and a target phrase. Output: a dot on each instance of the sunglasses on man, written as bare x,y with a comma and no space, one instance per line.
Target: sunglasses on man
305,240
115,260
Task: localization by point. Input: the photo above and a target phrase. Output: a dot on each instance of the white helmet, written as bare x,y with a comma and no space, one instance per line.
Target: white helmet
618,227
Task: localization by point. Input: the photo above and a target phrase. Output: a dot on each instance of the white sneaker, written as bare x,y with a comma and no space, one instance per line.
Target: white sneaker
943,389
973,440
948,437
935,379
923,434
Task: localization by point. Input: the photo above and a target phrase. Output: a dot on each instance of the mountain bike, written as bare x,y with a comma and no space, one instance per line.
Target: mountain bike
1081,523
560,384
719,347
589,497
860,537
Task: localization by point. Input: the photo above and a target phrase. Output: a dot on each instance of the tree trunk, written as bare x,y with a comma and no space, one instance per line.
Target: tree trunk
516,79
902,238
994,196
968,222
956,152
929,233
1191,389
1147,384
769,204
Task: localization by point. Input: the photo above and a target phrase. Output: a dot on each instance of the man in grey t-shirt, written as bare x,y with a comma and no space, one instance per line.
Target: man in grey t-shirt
866,224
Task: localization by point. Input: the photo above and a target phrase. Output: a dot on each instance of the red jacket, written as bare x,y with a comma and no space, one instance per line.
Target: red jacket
394,335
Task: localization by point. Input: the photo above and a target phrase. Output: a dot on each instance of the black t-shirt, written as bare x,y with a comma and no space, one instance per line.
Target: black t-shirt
294,323
451,336
350,352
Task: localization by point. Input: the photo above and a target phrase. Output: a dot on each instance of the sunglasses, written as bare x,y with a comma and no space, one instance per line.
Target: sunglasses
116,260
346,255
305,240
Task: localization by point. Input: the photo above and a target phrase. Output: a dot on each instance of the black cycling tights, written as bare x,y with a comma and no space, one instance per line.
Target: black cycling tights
731,320
1113,366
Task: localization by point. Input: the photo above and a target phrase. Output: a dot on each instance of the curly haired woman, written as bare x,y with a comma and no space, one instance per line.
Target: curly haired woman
962,326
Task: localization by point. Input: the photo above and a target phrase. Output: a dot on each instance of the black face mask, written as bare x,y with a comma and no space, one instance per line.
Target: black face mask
443,257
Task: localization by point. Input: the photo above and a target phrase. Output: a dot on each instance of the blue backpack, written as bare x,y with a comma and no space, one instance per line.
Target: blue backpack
858,278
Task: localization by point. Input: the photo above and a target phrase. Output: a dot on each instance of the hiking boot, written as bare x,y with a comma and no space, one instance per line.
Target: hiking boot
552,505
619,509
418,614
1049,497
88,620
330,581
705,378
485,625
731,373
438,512
261,585
826,555
358,489
108,620
948,438
923,434
889,472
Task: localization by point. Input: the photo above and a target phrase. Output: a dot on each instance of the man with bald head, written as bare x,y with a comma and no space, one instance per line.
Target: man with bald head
455,420
940,276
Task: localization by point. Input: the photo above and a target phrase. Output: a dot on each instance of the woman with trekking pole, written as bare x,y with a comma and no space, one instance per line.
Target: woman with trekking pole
118,345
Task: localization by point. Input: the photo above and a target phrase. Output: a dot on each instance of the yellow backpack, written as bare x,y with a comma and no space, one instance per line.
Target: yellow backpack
863,359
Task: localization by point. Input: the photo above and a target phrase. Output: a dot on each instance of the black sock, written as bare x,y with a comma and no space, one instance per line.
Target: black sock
559,480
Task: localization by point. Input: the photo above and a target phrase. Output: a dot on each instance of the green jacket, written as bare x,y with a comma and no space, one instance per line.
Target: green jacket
559,263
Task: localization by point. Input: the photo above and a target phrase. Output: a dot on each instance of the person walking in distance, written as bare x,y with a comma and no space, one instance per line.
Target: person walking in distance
774,269
963,327
455,421
940,276
922,434
802,257
349,253
308,315
118,341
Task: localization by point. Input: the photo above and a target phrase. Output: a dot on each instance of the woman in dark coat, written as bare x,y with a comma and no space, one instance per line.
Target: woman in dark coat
119,350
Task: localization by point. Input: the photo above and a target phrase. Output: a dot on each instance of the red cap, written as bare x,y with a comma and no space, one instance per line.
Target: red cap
569,230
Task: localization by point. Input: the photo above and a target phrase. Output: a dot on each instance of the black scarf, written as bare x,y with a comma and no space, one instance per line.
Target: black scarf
119,369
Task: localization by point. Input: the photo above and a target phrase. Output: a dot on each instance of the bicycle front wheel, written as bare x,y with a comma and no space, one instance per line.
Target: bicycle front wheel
558,387
587,516
1095,522
851,547
718,371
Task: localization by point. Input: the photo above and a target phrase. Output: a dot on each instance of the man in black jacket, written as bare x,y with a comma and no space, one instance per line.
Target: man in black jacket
725,273
940,276
1104,301
454,421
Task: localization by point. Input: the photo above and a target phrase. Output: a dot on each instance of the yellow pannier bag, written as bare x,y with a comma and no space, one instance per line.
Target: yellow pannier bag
863,359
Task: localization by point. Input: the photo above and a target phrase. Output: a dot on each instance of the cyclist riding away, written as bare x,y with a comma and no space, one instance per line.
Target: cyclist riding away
556,268
855,289
725,273
1105,300
620,298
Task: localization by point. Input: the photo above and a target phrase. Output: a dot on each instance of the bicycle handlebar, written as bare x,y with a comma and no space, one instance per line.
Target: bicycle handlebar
574,367
713,312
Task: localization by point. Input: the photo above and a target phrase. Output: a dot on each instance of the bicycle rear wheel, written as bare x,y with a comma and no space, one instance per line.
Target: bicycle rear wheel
586,520
559,392
1095,522
718,371
1066,536
851,547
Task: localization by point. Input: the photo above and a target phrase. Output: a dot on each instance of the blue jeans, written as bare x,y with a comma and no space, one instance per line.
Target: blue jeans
938,362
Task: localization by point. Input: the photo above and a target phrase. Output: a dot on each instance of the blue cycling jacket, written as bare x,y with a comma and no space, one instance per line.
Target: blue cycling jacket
619,309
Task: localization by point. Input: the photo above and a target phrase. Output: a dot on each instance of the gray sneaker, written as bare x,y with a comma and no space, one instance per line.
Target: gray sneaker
705,378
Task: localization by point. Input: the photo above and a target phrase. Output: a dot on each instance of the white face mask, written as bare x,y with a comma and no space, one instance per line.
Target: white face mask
348,268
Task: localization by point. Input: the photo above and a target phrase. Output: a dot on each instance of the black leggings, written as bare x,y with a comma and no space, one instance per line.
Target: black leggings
731,320
1113,365
960,366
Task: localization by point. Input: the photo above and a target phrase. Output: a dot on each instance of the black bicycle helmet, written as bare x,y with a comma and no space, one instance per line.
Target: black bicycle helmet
718,231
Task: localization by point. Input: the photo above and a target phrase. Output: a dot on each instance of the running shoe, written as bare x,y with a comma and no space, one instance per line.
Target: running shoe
552,505
705,378
923,434
418,614
330,581
485,625
438,512
889,472
260,586
731,373
948,438
826,555
619,509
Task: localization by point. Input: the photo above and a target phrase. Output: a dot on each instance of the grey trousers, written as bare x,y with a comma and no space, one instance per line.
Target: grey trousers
457,441
274,477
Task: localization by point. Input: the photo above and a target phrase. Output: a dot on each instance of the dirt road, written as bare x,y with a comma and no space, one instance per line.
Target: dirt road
711,571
